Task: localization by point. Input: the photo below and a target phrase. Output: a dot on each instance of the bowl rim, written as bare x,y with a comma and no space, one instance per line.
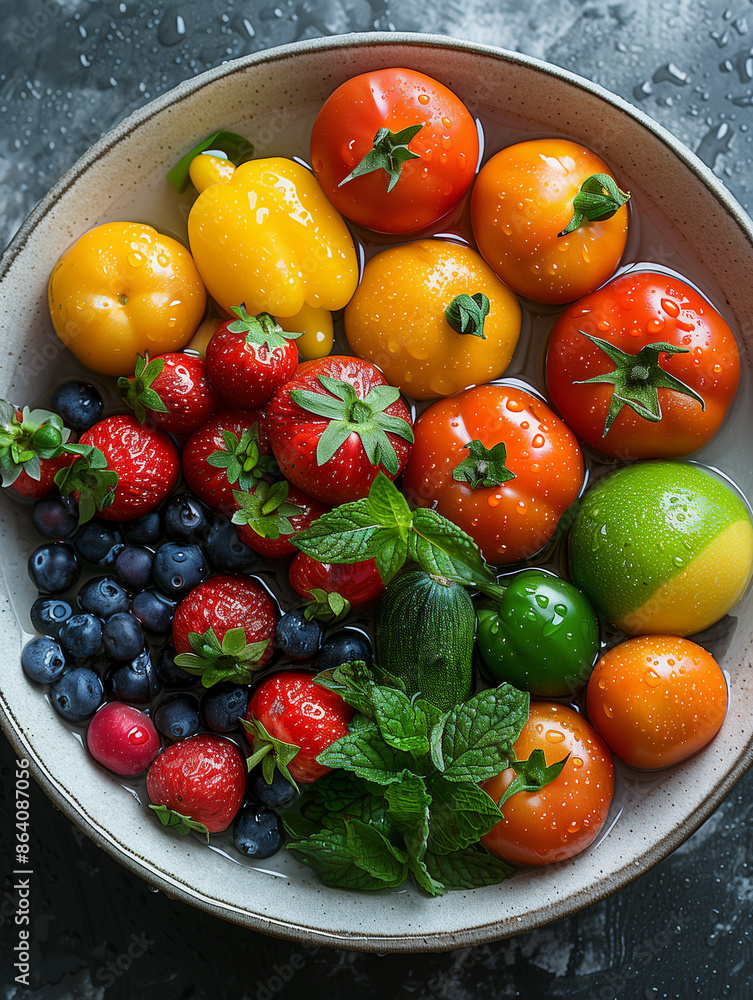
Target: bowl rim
66,800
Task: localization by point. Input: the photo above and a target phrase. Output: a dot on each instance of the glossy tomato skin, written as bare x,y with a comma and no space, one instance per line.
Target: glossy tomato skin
564,817
359,583
522,200
295,432
656,699
430,185
515,520
630,313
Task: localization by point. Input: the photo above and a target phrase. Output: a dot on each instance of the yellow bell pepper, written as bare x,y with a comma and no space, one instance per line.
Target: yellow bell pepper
264,234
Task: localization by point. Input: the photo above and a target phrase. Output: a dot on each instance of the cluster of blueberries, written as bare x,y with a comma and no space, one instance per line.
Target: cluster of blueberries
111,640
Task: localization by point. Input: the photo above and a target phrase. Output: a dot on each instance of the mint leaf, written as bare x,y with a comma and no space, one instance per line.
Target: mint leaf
533,774
461,813
355,683
375,854
331,857
402,725
367,756
471,868
441,548
337,793
387,505
477,737
346,534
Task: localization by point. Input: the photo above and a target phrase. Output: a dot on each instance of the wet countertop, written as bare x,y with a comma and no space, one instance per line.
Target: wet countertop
72,69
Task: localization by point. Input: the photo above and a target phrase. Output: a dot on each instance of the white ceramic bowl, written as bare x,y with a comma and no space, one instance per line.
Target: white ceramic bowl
122,177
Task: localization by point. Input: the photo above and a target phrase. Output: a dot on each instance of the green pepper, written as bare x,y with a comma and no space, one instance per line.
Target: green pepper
539,633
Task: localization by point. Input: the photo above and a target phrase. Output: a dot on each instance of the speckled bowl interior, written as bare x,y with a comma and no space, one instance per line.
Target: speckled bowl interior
123,177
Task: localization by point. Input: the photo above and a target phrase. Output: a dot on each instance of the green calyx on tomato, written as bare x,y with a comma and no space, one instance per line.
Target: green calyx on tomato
598,199
483,466
538,632
389,153
466,314
348,414
532,774
637,378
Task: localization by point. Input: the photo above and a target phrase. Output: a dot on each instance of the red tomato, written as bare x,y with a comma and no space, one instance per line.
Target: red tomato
359,583
296,710
523,200
445,150
564,817
512,520
629,315
335,425
656,699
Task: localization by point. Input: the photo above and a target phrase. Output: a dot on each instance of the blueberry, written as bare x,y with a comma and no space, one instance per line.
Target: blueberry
169,673
144,530
344,646
184,518
99,542
48,614
123,636
178,717
77,694
178,567
81,635
43,660
133,567
103,596
154,611
279,793
53,567
134,682
55,517
79,404
225,550
296,637
222,706
257,831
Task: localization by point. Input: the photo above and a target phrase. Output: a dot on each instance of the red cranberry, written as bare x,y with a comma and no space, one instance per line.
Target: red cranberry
122,738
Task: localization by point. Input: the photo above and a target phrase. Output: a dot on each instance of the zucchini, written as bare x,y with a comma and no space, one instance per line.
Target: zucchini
425,631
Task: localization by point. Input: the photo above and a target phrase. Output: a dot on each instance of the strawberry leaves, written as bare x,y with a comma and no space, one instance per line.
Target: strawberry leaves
242,458
90,478
348,414
266,509
233,659
274,754
176,821
260,331
137,389
402,798
27,438
381,526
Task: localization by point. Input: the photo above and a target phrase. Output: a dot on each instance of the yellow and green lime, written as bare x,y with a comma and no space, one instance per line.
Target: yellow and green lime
661,547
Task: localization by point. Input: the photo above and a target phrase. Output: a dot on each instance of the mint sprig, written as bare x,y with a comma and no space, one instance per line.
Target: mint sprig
381,526
403,798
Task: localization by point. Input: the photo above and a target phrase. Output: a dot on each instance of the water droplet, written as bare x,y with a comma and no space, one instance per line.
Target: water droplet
135,259
423,98
172,27
494,499
514,406
670,74
577,762
655,325
652,678
554,736
608,711
538,441
670,307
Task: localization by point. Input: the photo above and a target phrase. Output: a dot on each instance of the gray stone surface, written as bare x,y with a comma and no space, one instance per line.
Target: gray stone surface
69,71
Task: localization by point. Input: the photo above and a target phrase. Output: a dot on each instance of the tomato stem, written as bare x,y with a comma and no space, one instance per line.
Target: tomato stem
389,153
599,199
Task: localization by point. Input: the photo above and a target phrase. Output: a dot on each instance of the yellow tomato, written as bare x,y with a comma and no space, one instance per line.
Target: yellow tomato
123,289
396,319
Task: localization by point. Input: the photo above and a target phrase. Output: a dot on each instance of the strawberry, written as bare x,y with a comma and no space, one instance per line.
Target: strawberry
335,425
223,629
171,391
249,358
358,583
127,471
33,448
230,450
45,486
289,721
269,516
198,783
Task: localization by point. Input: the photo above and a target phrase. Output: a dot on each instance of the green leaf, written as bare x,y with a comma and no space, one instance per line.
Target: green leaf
335,794
466,314
266,509
356,683
177,822
402,724
329,853
346,534
441,548
532,775
375,854
389,152
598,199
137,389
483,466
273,754
477,736
260,331
326,606
230,660
471,868
236,147
461,813
367,757
89,477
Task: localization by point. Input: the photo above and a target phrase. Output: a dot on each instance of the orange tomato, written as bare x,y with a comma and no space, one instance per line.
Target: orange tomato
564,817
512,520
396,319
656,699
523,199
123,289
